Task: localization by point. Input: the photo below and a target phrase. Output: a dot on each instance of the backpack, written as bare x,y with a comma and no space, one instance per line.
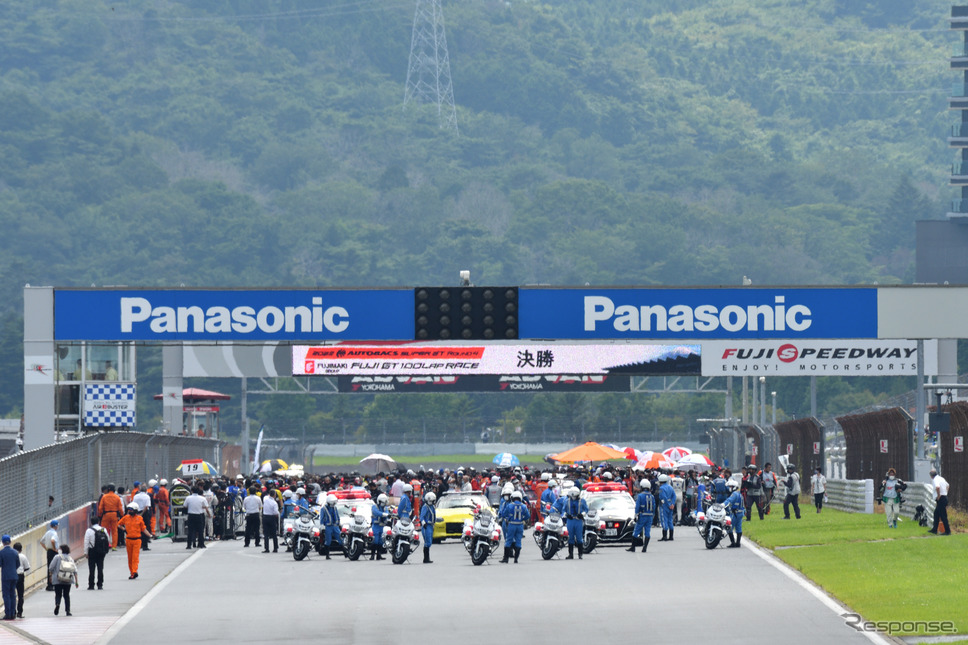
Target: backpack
101,542
67,570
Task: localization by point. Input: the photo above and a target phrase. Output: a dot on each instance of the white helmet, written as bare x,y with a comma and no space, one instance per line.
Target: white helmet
606,475
507,490
516,495
663,478
300,491
331,500
134,506
731,484
152,483
645,484
495,479
573,492
407,488
545,477
382,499
287,494
430,498
163,482
239,476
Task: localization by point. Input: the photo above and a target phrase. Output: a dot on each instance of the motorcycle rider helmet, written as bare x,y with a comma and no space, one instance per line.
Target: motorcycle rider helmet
607,476
287,494
731,484
663,478
300,491
430,498
382,500
507,490
573,492
407,489
645,484
545,477
517,496
331,500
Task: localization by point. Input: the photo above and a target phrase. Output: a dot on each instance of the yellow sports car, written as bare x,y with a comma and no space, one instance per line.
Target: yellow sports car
452,509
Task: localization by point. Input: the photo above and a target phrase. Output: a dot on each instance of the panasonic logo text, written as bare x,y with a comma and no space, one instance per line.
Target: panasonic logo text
239,320
702,318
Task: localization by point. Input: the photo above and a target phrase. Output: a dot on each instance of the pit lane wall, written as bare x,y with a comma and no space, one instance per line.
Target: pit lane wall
70,531
51,482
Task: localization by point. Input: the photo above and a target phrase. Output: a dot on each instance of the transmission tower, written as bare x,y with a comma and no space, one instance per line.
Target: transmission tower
428,73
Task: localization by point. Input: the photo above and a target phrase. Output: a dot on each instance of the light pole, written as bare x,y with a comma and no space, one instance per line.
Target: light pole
762,401
773,394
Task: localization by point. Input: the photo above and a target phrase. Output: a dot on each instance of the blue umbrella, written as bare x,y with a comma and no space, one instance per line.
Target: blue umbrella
506,459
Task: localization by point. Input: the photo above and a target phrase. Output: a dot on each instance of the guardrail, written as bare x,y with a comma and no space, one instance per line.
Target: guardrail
860,496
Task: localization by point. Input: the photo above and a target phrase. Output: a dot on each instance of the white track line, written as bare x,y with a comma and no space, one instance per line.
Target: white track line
813,590
147,598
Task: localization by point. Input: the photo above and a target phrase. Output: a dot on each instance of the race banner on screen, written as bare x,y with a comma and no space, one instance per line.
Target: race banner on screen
524,358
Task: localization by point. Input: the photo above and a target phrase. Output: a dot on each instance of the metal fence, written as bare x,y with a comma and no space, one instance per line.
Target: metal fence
954,459
877,441
42,484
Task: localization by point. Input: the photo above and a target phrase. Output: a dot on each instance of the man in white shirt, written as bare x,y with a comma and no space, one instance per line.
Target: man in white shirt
197,507
270,521
51,544
95,559
818,486
143,500
252,507
941,503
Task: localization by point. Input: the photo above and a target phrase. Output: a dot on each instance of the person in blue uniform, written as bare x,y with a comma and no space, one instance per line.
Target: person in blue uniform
405,506
573,508
380,515
720,490
667,506
548,498
644,512
737,510
428,517
515,514
299,501
329,518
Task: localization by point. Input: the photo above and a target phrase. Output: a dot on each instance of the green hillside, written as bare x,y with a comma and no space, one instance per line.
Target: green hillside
221,142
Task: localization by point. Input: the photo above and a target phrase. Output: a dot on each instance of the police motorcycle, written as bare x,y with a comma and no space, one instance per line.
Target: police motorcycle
357,536
594,527
550,534
481,536
304,534
401,539
713,524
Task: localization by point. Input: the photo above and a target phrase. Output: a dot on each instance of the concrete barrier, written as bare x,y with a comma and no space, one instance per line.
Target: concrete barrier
855,496
70,531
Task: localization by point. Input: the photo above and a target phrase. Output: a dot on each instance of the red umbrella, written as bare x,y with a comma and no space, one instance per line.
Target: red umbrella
676,453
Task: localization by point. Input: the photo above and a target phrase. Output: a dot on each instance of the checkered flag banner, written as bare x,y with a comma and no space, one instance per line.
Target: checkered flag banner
108,405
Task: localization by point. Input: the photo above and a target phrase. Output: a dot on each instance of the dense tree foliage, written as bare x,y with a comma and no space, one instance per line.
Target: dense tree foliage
235,142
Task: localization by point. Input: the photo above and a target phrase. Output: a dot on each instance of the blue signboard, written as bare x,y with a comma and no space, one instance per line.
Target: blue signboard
659,314
233,315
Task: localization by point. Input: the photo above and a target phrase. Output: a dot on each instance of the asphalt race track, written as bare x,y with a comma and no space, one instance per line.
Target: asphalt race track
677,592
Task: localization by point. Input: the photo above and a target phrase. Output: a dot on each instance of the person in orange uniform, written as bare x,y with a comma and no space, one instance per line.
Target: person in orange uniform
111,509
162,503
134,526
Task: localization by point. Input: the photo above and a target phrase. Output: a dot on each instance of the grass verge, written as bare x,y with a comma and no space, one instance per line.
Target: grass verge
884,574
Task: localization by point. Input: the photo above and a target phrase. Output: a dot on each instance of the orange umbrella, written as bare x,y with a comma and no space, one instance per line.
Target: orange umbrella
590,451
